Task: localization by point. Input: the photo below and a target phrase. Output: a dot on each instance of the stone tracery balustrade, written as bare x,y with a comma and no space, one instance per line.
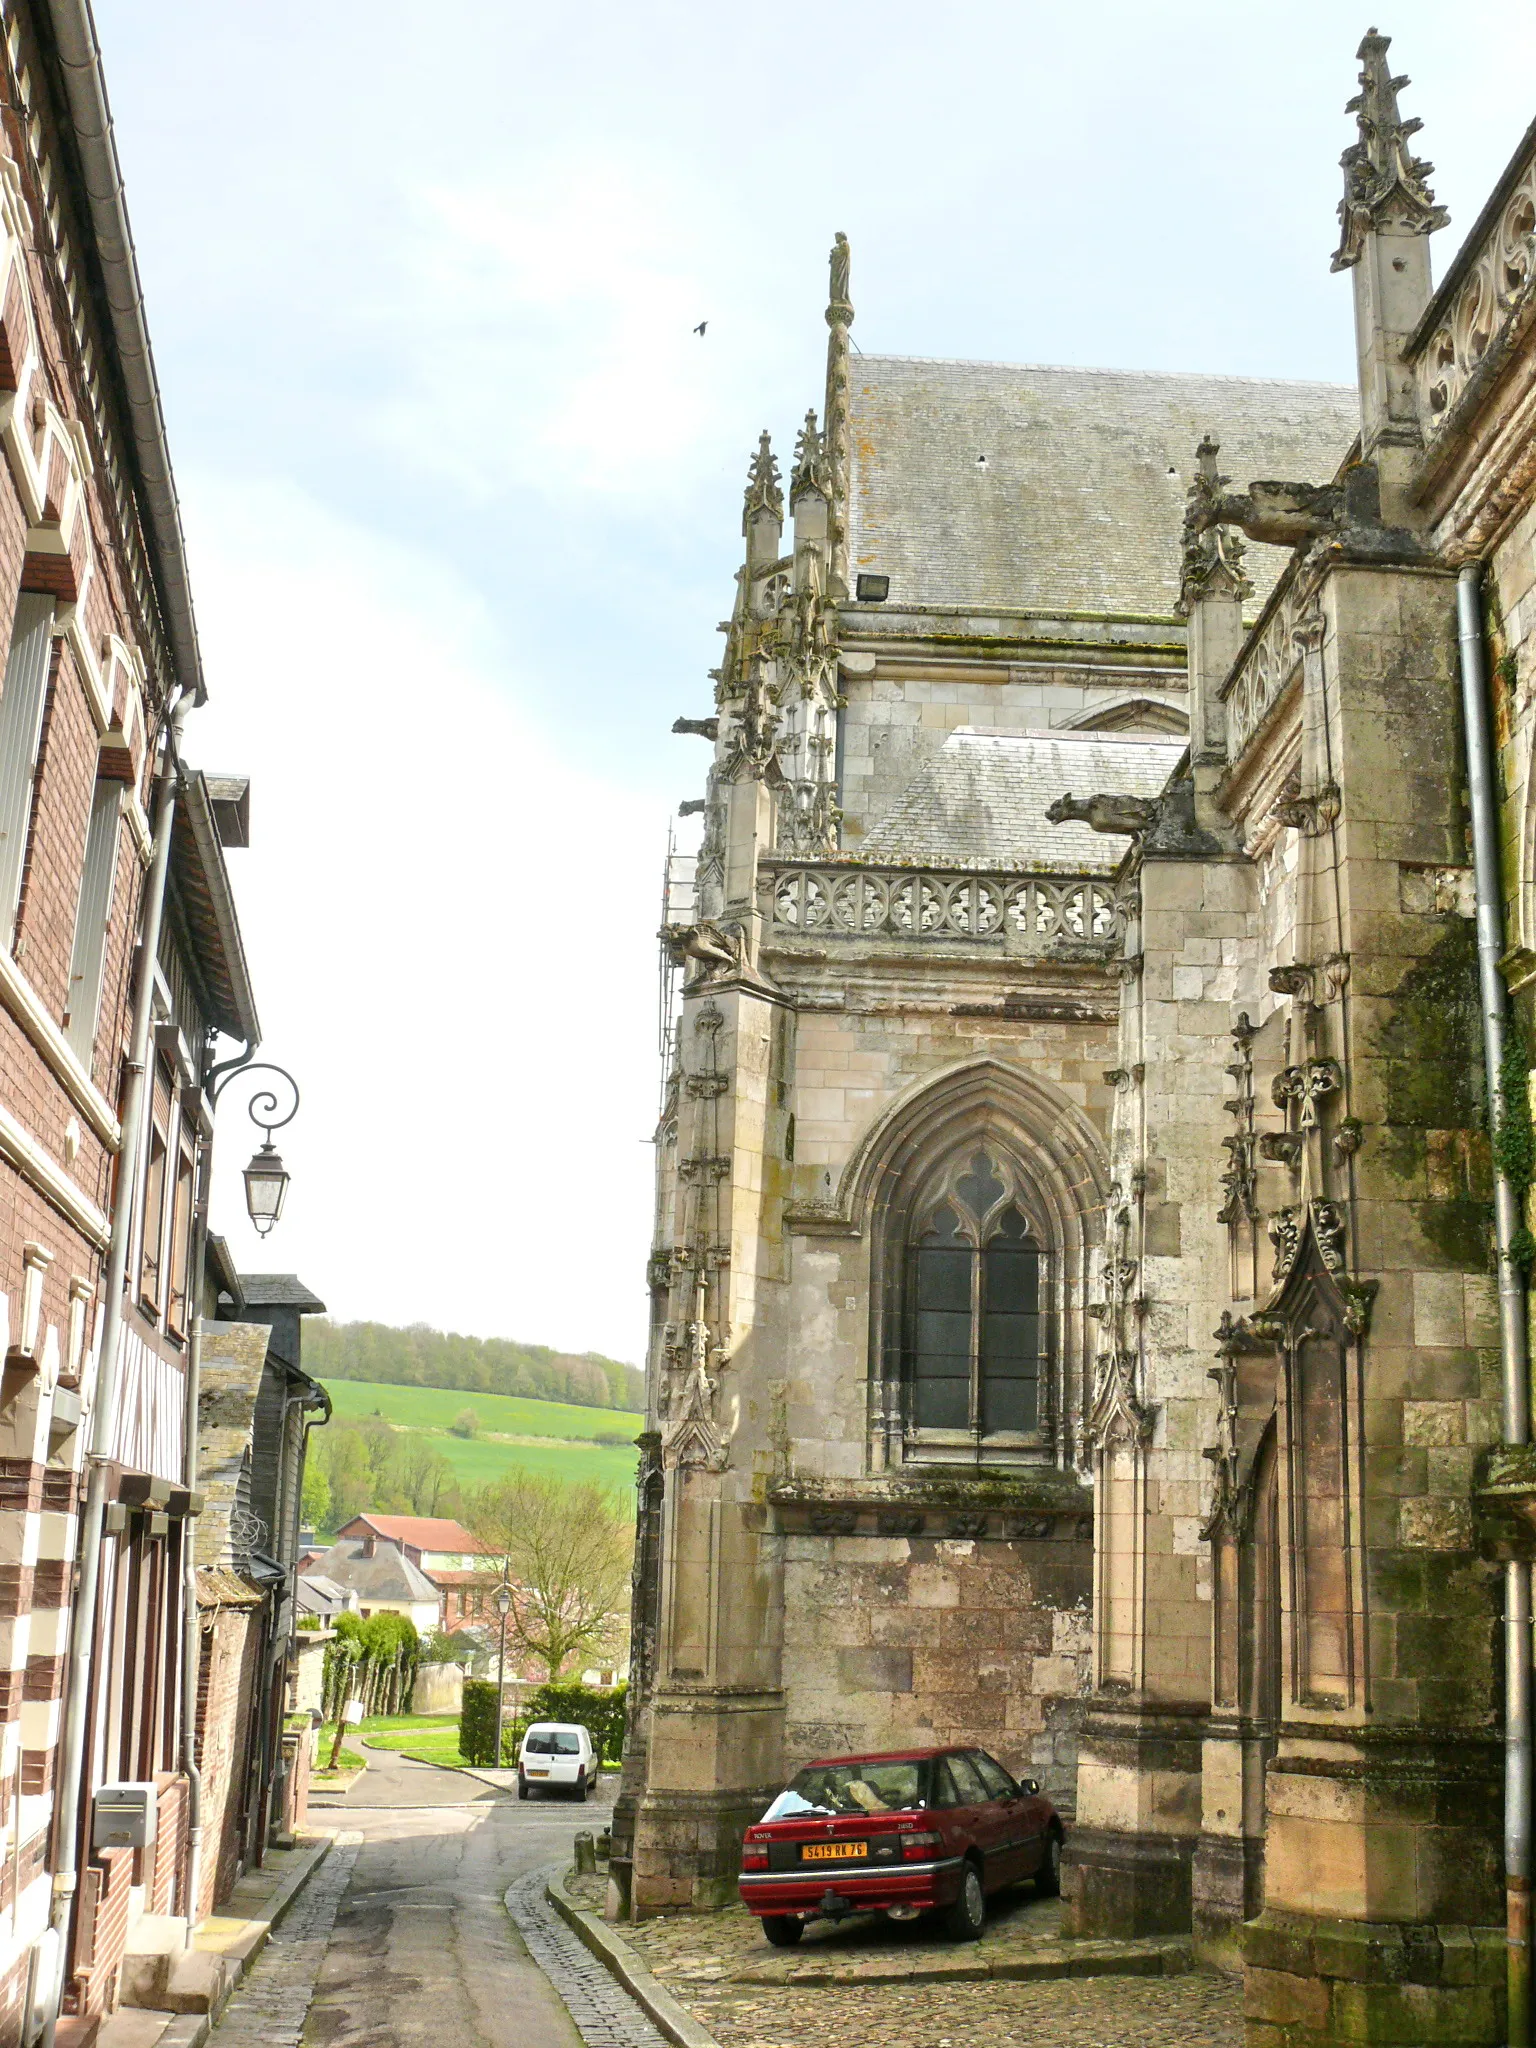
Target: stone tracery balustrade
1486,291
838,901
1268,661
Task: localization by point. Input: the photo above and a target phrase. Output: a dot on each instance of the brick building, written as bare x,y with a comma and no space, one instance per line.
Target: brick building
121,966
1086,1309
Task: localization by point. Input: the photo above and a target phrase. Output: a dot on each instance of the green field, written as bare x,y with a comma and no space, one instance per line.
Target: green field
552,1437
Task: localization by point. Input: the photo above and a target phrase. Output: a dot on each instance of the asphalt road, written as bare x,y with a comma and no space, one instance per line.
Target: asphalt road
422,1949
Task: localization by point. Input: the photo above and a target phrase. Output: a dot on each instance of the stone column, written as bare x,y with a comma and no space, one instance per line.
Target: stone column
1382,1916
1128,1865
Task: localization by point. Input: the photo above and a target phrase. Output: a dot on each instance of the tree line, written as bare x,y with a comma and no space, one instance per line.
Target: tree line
419,1356
358,1465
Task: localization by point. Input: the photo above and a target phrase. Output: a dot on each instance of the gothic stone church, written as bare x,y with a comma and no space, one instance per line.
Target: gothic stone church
1074,1304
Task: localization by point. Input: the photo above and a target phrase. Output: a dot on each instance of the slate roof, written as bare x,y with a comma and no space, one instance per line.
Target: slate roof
387,1575
1080,505
980,801
280,1290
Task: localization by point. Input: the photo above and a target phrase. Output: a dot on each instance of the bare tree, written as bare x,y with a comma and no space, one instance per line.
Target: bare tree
567,1550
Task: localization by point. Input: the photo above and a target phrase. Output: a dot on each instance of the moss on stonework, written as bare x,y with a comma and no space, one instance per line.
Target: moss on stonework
1433,1042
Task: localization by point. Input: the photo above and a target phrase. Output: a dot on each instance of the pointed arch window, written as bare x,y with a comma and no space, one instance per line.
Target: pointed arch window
974,1327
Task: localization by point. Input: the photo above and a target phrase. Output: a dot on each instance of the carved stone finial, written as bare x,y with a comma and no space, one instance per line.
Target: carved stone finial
1213,554
810,471
839,305
763,493
1384,186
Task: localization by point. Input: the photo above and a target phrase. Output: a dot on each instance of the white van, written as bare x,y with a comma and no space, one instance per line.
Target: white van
557,1753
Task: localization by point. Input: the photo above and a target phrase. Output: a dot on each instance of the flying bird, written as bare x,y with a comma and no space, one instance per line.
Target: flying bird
701,327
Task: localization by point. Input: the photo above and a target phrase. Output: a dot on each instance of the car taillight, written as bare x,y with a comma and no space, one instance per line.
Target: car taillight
754,1856
914,1848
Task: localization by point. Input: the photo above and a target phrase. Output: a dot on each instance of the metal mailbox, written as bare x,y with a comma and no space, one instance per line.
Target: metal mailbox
123,1817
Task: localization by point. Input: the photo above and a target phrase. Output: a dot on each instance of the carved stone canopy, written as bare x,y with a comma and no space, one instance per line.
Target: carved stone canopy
763,493
1385,186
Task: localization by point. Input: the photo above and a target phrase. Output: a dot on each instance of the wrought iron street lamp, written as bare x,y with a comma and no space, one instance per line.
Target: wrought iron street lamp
266,1178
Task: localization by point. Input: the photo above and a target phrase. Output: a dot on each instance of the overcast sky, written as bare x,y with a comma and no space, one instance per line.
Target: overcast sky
462,488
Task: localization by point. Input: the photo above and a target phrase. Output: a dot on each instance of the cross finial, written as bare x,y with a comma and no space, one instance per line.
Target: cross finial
1384,185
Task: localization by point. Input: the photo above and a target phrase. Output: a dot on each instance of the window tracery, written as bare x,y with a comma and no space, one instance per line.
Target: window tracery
972,1325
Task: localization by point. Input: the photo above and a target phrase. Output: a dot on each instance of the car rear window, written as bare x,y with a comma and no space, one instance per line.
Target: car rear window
854,1789
552,1742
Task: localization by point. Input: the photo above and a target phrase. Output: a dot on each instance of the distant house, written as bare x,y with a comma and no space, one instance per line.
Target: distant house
381,1579
431,1542
321,1599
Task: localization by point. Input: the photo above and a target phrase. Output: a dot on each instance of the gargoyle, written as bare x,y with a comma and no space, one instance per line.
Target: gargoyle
706,728
1104,813
716,951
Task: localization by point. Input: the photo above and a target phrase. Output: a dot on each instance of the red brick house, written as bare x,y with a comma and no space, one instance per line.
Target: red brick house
121,966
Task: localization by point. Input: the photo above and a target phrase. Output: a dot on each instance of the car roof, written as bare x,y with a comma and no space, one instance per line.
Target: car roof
564,1727
885,1756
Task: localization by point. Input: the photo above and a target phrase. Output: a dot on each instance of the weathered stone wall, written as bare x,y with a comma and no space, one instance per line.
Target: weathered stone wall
898,1641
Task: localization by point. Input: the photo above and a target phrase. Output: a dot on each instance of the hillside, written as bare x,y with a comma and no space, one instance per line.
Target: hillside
422,1357
416,1465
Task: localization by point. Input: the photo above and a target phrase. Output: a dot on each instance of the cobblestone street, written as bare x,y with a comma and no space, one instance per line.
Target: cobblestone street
719,1968
269,2009
428,1922
1195,2011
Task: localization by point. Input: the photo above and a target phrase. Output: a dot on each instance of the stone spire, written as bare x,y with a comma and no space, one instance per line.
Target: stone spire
835,412
1385,188
810,471
763,493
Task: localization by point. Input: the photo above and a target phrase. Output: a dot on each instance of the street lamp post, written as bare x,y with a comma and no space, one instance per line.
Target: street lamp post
503,1608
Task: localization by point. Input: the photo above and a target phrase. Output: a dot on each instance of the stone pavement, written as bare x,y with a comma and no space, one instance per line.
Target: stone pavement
269,2009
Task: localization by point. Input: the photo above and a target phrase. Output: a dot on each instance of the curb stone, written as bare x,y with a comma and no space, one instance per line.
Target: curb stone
670,2018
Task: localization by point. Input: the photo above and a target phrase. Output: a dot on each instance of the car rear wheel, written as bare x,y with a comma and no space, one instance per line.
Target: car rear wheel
964,1920
522,1786
782,1929
581,1786
1048,1876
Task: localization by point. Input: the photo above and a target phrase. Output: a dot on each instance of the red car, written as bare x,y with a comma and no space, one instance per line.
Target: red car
912,1831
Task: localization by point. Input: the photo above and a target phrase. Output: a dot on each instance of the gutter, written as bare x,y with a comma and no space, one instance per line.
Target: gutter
1483,797
79,63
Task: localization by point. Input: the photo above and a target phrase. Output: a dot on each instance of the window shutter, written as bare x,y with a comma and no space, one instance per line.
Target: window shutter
21,721
92,916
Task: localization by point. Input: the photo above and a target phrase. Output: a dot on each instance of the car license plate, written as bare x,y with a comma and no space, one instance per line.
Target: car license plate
832,1852
538,1774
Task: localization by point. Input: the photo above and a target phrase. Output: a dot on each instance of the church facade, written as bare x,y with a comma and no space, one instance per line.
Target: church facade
1088,1309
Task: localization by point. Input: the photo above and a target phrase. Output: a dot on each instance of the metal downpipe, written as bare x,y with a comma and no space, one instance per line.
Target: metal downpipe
192,1640
82,1642
1483,795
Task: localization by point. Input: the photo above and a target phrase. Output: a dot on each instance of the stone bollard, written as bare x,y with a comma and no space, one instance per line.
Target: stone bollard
586,1855
605,1845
